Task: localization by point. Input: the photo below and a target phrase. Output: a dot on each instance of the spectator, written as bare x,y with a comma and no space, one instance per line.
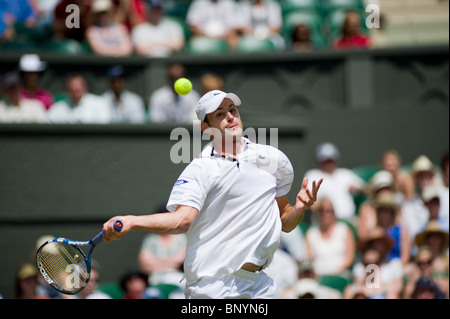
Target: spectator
420,267
261,19
44,10
374,276
7,32
415,213
31,68
352,37
283,270
431,199
134,284
404,183
166,105
82,107
213,19
425,288
137,12
158,36
81,21
18,12
17,109
125,106
308,287
388,212
26,282
162,256
210,81
330,244
438,242
301,38
91,290
380,183
106,37
339,185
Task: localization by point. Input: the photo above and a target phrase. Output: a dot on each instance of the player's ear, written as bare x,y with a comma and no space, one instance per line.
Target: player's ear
204,126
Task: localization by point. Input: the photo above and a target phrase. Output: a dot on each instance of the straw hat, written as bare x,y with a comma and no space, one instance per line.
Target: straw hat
378,233
422,164
432,228
386,200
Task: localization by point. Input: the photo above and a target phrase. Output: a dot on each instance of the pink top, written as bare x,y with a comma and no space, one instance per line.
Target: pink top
41,94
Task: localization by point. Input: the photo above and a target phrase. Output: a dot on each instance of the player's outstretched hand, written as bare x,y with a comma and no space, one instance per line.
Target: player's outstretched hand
307,198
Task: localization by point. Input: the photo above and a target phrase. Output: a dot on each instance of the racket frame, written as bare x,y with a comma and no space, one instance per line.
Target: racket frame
118,225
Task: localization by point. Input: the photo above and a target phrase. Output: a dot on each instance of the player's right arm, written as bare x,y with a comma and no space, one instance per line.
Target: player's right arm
176,222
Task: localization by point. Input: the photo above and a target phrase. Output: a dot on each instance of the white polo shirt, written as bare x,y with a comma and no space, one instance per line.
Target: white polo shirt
239,220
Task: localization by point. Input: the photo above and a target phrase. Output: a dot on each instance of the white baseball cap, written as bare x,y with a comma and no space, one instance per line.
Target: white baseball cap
31,63
326,151
209,102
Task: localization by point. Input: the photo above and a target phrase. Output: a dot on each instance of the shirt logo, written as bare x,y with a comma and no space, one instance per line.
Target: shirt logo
180,182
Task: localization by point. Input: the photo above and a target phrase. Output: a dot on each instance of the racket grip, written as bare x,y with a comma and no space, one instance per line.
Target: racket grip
118,225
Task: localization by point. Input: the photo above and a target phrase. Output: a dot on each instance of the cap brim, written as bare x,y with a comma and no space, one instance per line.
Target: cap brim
218,100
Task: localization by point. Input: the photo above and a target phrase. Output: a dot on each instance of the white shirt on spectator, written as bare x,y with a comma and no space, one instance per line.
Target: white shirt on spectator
167,106
91,109
213,19
157,39
130,109
336,187
259,19
29,111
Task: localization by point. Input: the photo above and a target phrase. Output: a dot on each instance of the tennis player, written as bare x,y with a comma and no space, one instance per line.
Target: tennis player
232,202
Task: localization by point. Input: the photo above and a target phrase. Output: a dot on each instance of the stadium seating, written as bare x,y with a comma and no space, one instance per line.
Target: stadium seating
204,45
176,8
336,282
249,44
342,5
70,47
305,5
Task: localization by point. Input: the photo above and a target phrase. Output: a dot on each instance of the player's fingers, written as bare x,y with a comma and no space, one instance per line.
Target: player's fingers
305,182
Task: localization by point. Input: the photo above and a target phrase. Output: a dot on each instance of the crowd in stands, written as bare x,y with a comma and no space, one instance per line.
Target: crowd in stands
162,28
392,244
24,100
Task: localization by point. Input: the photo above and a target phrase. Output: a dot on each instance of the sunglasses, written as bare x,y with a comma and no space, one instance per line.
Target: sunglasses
424,263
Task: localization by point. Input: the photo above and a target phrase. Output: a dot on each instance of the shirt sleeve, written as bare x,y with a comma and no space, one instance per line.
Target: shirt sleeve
284,175
191,188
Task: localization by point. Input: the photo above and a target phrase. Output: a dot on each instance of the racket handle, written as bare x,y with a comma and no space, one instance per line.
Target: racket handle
118,225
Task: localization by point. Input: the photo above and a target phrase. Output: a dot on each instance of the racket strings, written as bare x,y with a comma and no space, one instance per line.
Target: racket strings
64,265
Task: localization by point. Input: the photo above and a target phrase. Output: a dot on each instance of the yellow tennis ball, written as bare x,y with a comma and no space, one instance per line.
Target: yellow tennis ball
182,86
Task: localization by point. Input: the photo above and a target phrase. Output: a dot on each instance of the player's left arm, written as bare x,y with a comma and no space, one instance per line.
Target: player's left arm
291,216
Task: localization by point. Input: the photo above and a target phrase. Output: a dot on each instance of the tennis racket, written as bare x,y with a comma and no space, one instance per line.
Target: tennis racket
64,265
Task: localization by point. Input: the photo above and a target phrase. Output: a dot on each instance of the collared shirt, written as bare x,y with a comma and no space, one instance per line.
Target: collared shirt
129,109
239,219
91,109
